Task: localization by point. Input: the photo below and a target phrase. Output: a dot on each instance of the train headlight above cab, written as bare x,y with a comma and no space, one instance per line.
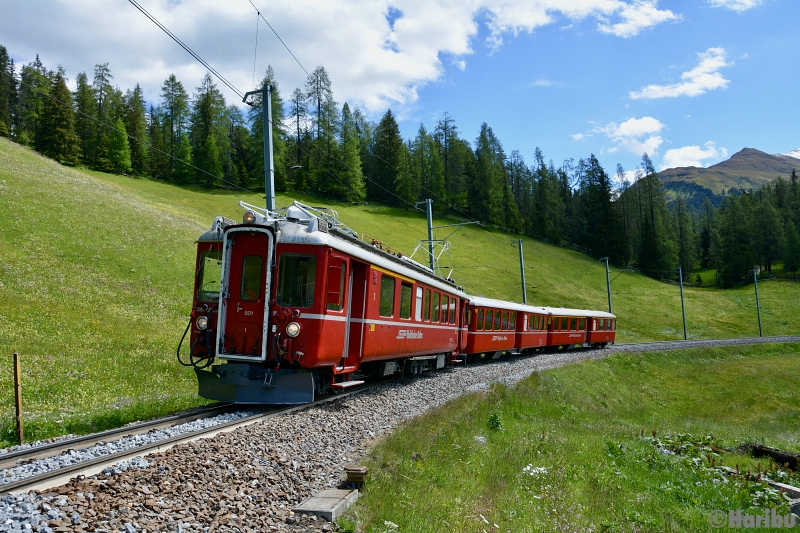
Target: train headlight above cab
249,217
202,323
293,329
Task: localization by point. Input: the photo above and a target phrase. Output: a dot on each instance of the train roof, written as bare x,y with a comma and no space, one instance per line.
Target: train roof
301,226
562,311
480,301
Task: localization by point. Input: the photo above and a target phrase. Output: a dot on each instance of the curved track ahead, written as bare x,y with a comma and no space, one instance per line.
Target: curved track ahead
87,468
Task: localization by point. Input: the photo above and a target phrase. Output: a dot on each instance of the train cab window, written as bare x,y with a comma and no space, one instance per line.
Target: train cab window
613,325
405,300
336,276
445,308
512,321
505,320
251,278
297,276
497,320
209,276
436,298
426,303
487,323
418,308
453,307
387,296
581,324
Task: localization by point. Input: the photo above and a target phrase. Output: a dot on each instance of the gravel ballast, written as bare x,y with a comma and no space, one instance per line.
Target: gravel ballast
249,478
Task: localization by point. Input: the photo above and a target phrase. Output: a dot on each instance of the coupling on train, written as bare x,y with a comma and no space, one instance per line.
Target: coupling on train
293,304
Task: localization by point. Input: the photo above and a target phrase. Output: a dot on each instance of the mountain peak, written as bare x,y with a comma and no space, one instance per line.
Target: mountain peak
793,153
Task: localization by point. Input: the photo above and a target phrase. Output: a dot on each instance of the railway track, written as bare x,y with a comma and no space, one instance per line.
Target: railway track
56,477
61,476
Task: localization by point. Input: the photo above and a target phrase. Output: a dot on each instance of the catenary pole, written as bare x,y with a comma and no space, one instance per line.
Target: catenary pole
683,307
429,210
522,273
608,286
269,166
758,306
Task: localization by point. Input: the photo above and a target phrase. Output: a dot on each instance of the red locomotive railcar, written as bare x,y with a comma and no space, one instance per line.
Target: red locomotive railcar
297,305
566,327
601,328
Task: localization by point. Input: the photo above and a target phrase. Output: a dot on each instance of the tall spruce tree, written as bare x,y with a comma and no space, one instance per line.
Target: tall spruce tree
34,87
175,121
427,169
119,150
350,158
136,126
388,153
208,132
86,111
487,187
58,139
8,92
103,96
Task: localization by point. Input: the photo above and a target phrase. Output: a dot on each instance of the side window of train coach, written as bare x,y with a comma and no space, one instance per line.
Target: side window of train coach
387,295
498,317
512,321
445,306
418,308
250,290
405,300
436,303
453,306
426,304
297,275
487,323
479,322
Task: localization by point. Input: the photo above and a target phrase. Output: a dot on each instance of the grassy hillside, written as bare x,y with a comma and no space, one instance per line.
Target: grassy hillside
619,444
96,275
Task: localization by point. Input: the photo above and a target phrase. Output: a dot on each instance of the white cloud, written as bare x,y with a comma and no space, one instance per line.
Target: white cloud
638,16
580,136
692,156
377,53
702,78
545,83
636,135
736,5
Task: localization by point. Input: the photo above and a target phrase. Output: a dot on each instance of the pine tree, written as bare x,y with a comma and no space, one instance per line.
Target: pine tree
58,139
350,158
103,94
487,187
387,152
86,110
427,169
33,90
136,126
603,228
208,132
686,236
119,151
158,162
175,121
791,258
8,92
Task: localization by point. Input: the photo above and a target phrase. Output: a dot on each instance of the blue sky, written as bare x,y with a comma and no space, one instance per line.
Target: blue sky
689,82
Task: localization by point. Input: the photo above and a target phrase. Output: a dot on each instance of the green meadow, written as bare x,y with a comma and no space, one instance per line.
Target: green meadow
632,442
96,279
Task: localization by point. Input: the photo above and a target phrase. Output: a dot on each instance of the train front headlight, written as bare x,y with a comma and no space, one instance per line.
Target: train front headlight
249,217
202,323
293,329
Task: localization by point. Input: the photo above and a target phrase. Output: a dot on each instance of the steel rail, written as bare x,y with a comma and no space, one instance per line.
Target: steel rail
60,476
44,451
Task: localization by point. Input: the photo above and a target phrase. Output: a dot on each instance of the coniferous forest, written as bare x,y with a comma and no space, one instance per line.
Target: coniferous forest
194,137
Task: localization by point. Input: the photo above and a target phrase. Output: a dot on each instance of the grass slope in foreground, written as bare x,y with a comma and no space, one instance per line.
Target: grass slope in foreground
576,450
96,275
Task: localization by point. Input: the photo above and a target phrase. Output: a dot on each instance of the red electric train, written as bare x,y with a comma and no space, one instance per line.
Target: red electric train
297,305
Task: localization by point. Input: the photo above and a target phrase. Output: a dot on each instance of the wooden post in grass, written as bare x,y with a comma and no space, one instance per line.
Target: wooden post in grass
18,399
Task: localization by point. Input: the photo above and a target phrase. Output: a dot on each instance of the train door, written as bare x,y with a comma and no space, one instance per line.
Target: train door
246,280
356,310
